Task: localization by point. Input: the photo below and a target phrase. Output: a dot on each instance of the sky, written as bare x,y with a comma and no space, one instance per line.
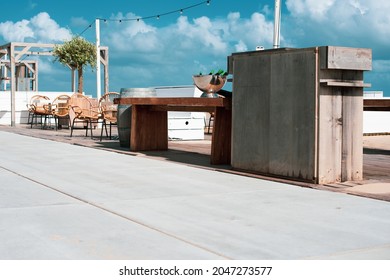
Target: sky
168,51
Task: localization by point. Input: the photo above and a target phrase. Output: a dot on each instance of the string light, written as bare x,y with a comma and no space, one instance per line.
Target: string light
181,11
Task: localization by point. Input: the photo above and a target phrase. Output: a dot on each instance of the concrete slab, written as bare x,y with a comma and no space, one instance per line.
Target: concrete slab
376,188
61,201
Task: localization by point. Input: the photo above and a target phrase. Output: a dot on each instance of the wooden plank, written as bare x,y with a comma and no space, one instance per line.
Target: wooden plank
330,131
182,108
174,101
251,118
346,58
274,113
149,129
335,83
352,148
221,138
376,104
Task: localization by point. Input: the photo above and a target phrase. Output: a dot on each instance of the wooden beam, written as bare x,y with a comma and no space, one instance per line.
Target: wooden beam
209,109
175,101
376,104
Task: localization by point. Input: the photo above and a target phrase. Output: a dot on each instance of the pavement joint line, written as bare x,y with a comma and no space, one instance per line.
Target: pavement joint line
363,249
117,214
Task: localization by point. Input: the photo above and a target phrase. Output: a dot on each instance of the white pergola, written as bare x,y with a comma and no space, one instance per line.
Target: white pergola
14,52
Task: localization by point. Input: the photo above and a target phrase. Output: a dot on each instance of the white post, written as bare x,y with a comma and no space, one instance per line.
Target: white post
98,77
278,14
11,53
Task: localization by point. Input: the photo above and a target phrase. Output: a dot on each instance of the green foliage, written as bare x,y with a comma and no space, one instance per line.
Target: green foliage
220,72
76,53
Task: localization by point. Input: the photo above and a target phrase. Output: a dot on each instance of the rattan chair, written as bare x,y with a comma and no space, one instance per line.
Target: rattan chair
84,110
109,111
60,110
39,107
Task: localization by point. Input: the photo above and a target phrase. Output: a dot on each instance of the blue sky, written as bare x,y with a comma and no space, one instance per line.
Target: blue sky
169,50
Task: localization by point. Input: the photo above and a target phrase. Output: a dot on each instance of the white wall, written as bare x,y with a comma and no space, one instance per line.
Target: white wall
22,98
376,122
183,125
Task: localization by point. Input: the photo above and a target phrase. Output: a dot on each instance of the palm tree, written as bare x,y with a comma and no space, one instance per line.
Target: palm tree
76,53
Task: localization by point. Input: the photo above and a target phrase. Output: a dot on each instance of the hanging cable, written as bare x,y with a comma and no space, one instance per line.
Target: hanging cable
157,16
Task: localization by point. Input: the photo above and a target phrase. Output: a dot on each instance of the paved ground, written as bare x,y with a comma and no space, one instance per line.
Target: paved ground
61,201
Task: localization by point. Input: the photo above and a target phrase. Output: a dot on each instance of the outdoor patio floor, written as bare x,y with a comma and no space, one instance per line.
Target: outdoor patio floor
95,200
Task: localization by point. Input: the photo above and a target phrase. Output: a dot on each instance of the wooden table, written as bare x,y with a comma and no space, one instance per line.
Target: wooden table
149,122
376,104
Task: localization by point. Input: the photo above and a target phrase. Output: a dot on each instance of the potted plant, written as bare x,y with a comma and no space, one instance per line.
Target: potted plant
76,53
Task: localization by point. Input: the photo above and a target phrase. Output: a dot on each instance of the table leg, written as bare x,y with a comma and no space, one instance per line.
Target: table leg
149,129
221,138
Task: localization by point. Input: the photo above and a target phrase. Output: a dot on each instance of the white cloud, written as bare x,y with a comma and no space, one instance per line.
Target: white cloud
202,32
129,36
141,51
241,46
355,23
316,9
46,29
40,28
16,32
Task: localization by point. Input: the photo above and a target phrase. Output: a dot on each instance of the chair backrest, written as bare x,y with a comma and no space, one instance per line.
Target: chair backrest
60,105
107,107
38,104
83,106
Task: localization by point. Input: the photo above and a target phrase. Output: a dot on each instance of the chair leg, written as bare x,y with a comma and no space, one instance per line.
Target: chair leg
101,132
44,122
29,121
90,126
86,129
71,128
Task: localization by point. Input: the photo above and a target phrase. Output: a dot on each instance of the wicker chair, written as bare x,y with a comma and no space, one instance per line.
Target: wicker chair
109,111
84,110
60,110
39,107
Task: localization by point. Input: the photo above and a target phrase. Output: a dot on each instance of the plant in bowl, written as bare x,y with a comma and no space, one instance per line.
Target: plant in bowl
211,83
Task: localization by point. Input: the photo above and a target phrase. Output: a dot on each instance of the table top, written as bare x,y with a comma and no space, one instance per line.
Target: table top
175,101
376,104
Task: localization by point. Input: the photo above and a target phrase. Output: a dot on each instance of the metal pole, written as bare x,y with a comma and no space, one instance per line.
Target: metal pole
278,15
98,78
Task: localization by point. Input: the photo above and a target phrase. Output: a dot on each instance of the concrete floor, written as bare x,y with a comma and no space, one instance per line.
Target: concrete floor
62,201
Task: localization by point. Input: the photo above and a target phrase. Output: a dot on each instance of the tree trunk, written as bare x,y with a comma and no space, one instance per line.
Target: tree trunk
80,78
